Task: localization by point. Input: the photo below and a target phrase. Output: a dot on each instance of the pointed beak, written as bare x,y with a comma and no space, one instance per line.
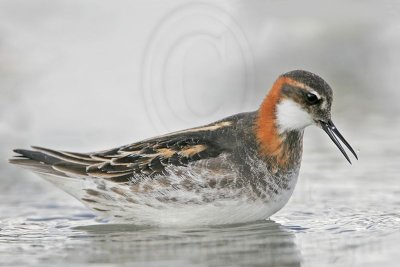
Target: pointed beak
334,134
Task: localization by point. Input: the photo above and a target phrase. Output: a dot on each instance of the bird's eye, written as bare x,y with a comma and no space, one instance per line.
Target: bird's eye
312,98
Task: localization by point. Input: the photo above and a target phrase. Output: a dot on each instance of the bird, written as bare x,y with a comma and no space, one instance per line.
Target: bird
238,169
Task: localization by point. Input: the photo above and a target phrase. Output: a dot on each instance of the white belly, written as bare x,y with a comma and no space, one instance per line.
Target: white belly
174,206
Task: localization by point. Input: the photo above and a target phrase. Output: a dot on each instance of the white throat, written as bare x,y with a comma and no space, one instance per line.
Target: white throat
290,116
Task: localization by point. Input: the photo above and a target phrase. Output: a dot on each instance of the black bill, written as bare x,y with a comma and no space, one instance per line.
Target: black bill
334,134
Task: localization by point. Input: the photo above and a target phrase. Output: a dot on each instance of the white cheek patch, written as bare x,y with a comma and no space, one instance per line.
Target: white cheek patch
290,116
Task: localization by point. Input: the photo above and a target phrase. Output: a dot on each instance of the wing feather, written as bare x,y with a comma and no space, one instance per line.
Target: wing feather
123,164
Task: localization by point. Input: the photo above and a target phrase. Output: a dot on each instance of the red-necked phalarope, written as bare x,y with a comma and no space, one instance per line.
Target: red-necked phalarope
241,168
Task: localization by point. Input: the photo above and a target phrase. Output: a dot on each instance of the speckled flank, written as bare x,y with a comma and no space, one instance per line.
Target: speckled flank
200,190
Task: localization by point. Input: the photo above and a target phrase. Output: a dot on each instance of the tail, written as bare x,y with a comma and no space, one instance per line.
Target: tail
36,161
51,162
69,171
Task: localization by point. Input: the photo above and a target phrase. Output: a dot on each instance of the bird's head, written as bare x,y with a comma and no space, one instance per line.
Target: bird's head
298,99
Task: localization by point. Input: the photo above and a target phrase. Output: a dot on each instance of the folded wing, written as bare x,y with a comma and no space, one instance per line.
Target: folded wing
123,164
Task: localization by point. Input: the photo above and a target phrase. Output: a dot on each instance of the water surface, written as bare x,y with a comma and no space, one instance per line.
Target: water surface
340,215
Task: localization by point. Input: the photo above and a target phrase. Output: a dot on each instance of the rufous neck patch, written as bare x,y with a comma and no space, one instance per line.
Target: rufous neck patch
266,130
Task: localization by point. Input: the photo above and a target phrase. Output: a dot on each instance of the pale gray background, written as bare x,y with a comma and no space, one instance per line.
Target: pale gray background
75,74
89,75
